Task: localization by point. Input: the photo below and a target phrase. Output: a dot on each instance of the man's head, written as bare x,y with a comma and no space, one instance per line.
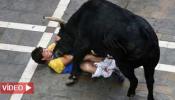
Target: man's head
41,55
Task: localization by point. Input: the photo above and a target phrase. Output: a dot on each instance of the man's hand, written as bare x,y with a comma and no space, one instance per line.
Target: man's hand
56,38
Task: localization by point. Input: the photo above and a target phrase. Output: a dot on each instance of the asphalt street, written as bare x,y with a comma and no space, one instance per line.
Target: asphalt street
22,28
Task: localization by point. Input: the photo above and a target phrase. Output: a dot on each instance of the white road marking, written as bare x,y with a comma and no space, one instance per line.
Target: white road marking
45,39
59,13
22,26
166,68
31,66
57,30
4,24
167,44
18,48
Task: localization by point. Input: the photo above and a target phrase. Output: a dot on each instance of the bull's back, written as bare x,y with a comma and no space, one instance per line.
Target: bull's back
98,19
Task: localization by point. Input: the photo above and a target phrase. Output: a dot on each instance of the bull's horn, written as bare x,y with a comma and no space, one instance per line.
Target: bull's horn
54,19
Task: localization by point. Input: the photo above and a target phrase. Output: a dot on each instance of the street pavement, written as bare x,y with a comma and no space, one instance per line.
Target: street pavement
25,29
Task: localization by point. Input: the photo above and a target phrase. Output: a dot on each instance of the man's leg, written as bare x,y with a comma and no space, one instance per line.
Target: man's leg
93,58
88,66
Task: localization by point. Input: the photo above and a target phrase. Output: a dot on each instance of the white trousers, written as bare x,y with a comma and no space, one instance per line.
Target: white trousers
105,68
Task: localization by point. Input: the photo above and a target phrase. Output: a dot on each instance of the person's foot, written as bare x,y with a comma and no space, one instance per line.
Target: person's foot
73,79
71,83
119,76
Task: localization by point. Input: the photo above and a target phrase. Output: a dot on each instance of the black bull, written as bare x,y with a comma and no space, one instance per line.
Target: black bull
109,29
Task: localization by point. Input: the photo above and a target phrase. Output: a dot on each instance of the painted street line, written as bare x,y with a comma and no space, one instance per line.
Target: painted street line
57,30
22,26
166,44
59,13
18,48
166,68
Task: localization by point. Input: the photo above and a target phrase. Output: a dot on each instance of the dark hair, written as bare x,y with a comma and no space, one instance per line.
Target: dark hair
37,55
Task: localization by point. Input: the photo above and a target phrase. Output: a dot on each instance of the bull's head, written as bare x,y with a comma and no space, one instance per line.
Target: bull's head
65,44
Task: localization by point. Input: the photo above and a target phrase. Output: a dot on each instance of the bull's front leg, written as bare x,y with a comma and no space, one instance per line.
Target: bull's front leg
76,71
79,52
128,71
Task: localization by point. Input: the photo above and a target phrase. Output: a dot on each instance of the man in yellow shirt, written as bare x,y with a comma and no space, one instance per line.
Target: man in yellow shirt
62,64
97,66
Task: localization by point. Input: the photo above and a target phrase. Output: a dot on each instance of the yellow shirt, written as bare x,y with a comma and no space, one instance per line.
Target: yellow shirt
56,64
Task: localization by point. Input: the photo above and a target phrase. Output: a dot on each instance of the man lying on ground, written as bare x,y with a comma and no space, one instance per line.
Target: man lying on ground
97,66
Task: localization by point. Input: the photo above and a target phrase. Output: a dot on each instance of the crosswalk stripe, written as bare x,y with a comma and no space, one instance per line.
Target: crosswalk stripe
166,68
18,48
22,26
4,24
167,44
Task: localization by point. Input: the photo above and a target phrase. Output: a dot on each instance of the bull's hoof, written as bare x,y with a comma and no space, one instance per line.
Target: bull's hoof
131,93
121,79
131,98
150,97
118,76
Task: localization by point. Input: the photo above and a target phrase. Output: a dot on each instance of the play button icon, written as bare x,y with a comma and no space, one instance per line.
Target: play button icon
28,87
